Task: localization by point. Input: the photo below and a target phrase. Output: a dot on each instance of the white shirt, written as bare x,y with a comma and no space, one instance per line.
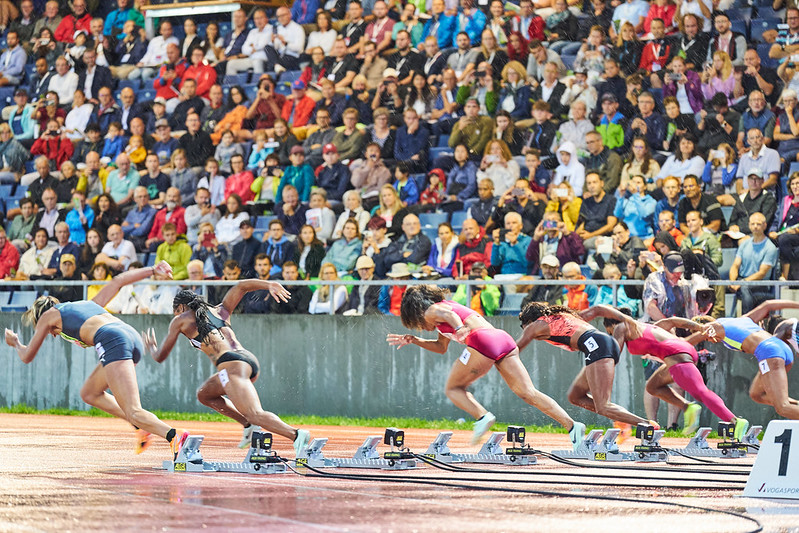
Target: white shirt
65,86
692,6
125,252
156,51
87,84
77,119
324,40
256,42
295,39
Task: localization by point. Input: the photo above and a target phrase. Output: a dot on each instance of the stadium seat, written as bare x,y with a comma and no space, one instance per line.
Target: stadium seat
511,304
7,95
150,260
457,219
758,26
133,84
263,221
145,95
740,26
728,256
20,192
438,151
24,298
259,234
432,220
11,203
13,308
250,91
420,180
767,12
793,168
5,191
586,271
238,79
740,13
225,27
762,51
29,167
784,186
283,88
443,141
432,233
290,75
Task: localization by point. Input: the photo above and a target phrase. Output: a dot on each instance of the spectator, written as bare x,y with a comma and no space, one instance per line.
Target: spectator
575,129
472,129
757,117
718,77
592,53
227,229
597,217
636,208
233,42
508,253
34,260
611,123
497,164
156,54
483,209
406,187
155,181
706,204
300,298
208,251
12,61
319,216
783,230
311,251
577,296
563,201
23,25
53,144
9,256
332,175
172,212
139,220
187,100
350,140
442,253
328,299
570,170
64,82
625,246
697,238
79,19
484,298
754,200
13,156
21,227
344,252
91,248
324,36
605,294
684,161
666,225
67,271
78,118
299,175
640,163
201,211
369,175
552,237
431,196
411,247
165,145
352,209
253,51
788,142
666,294
375,238
230,272
245,250
519,199
195,142
130,48
550,293
240,182
363,299
107,214
20,117
390,298
754,260
80,218
473,247
760,157
685,85
121,182
290,212
605,162
181,176
175,252
720,126
117,253
278,247
538,57
259,301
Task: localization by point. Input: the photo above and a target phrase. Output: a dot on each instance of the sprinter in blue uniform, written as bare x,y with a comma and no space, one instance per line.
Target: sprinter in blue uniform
119,347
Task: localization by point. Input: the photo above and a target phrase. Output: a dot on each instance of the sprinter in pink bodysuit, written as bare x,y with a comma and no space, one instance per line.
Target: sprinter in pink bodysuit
679,358
424,308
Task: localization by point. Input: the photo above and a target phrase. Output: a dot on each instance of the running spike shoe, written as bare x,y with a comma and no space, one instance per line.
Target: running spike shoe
143,439
690,419
482,426
301,441
577,434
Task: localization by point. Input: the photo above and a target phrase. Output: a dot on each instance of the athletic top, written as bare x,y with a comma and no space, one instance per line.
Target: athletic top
216,322
736,330
561,328
647,344
463,313
73,316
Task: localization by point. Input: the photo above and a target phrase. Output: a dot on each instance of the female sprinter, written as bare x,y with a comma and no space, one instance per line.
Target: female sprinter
563,327
230,391
424,307
679,358
119,347
774,354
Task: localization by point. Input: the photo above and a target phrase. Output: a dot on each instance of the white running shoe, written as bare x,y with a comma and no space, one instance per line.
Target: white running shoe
246,438
577,434
301,442
482,426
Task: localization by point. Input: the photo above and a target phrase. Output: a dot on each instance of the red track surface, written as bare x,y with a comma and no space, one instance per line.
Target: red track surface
80,474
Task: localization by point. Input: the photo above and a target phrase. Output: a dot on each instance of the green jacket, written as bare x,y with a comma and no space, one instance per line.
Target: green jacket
489,298
707,242
177,255
475,135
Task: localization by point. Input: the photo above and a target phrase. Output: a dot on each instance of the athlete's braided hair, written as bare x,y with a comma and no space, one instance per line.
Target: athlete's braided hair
535,310
416,301
199,306
32,315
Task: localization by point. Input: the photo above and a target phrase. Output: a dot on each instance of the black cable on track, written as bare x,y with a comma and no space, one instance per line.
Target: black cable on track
438,482
450,467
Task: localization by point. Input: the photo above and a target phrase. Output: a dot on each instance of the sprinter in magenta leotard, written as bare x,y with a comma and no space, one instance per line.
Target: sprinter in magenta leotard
591,389
424,307
679,358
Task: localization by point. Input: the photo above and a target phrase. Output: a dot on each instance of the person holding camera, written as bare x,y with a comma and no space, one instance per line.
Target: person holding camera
685,85
552,237
718,126
53,144
484,298
202,211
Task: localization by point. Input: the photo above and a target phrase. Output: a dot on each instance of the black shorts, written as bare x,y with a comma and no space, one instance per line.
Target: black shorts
596,345
650,368
118,341
240,355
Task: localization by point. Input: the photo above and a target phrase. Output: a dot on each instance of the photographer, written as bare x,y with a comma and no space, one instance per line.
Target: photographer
483,298
53,144
552,237
47,109
519,199
387,95
718,126
200,212
683,81
266,106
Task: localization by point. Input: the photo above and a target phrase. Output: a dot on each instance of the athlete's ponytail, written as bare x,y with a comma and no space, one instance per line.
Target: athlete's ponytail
35,311
199,307
535,310
416,301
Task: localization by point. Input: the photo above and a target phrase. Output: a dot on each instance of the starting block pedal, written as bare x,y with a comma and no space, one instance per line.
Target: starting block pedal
492,452
312,455
731,447
595,447
189,458
699,447
367,456
751,440
260,458
439,450
649,450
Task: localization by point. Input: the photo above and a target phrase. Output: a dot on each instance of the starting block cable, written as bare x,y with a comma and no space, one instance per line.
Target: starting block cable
458,483
457,468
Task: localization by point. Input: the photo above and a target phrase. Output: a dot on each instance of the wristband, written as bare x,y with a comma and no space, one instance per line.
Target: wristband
460,327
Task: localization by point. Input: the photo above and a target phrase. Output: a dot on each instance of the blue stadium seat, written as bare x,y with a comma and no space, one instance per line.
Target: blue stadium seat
20,192
740,13
224,28
420,180
133,84
251,91
178,31
432,220
263,221
728,256
146,95
457,219
758,26
586,271
762,51
767,12
11,203
784,186
13,308
431,233
290,75
5,191
29,167
438,151
259,234
443,141
150,260
239,79
740,26
283,88
7,95
24,298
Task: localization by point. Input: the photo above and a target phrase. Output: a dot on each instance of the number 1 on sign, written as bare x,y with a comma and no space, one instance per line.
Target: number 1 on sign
785,439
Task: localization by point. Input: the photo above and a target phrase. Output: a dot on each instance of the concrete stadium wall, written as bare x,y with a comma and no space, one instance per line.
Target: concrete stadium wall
330,365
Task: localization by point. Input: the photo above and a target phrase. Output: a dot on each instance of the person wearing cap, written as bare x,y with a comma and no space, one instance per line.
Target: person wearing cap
551,294
20,117
67,271
299,174
12,61
611,123
719,127
756,200
363,299
332,175
666,293
298,107
321,136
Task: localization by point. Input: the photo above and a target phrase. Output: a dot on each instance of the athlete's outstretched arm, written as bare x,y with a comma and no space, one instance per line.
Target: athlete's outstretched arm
44,327
604,311
439,345
175,329
237,292
534,331
677,322
763,310
110,290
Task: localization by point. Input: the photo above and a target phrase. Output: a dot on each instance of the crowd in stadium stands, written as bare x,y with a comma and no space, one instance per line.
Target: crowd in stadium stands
555,139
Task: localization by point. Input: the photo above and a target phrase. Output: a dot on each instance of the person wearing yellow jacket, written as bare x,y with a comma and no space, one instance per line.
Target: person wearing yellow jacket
176,253
484,298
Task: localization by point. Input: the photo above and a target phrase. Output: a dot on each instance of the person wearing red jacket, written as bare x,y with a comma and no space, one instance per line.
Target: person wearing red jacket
53,145
530,25
657,53
170,75
9,255
473,247
240,181
298,107
172,212
78,20
201,72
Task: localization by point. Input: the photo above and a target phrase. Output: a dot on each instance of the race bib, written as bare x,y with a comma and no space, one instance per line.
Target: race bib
591,344
465,355
763,365
223,378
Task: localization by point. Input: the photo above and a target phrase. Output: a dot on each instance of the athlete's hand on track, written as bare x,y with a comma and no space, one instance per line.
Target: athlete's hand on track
150,342
163,269
714,332
399,340
279,292
12,339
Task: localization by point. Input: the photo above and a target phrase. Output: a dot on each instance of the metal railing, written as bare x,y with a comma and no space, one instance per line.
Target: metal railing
448,282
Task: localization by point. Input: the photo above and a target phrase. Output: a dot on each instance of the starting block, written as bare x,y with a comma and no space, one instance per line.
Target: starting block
312,455
439,450
731,447
751,440
260,458
649,450
595,447
492,452
367,456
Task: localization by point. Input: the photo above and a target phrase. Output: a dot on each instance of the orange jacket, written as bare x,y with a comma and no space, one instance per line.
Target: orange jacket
232,121
302,114
576,298
204,75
